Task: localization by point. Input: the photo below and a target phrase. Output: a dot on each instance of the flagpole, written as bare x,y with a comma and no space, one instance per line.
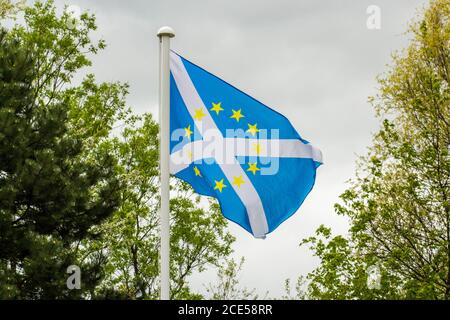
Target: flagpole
164,34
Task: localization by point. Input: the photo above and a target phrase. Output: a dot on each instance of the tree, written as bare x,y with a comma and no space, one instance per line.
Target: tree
294,293
52,189
9,8
398,204
343,272
105,217
227,286
131,236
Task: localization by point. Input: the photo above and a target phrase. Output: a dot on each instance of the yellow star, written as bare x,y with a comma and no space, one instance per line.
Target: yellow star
197,172
257,147
219,185
252,129
216,107
188,132
238,181
237,115
253,167
199,114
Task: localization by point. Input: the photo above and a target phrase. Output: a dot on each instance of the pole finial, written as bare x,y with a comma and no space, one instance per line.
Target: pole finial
166,31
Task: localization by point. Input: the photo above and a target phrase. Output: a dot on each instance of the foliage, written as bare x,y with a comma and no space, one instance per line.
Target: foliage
398,203
131,237
51,192
79,176
9,9
296,293
227,286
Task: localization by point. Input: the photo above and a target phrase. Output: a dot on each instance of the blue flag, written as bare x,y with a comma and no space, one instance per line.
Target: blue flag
230,146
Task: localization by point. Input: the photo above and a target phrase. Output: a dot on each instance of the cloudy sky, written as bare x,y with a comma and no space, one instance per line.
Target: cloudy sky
314,61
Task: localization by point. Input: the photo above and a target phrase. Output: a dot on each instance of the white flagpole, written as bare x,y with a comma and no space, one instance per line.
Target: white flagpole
164,34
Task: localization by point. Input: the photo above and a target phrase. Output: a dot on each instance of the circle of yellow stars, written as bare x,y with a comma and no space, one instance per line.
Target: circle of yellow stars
253,129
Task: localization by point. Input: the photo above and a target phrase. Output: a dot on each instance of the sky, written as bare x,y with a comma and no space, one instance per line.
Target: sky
314,61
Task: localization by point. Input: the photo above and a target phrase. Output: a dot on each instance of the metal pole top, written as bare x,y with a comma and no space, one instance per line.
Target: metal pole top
166,31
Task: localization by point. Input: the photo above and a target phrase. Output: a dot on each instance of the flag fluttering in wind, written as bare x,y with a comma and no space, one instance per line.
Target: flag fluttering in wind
230,146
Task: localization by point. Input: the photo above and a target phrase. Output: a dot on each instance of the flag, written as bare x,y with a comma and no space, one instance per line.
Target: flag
230,146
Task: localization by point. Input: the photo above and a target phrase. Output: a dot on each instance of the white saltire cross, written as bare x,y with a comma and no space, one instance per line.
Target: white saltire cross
181,159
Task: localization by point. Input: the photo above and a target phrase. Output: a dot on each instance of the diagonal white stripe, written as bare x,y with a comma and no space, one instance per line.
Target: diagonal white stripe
247,192
190,95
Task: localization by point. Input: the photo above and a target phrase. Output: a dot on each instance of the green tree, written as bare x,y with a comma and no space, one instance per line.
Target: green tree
117,245
9,8
398,204
227,285
131,236
53,186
